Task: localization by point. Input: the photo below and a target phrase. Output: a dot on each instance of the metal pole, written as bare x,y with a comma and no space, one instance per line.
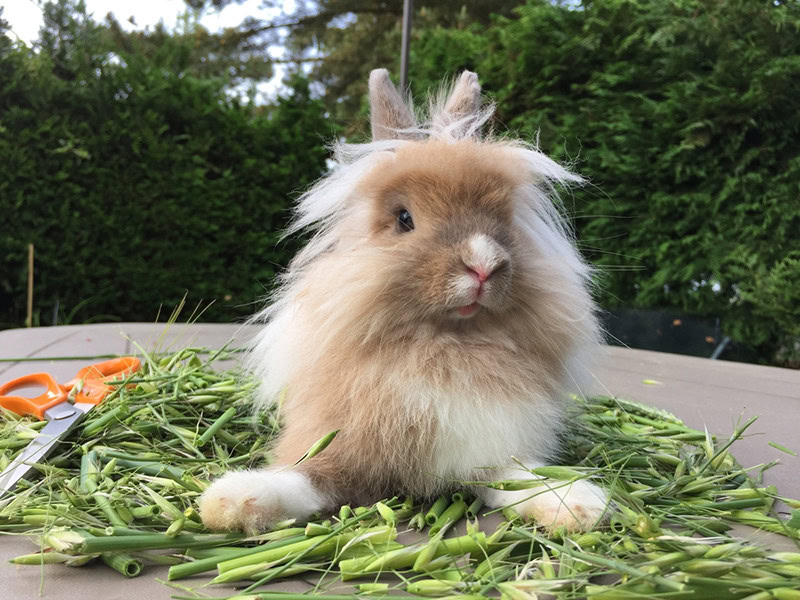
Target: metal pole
29,319
408,9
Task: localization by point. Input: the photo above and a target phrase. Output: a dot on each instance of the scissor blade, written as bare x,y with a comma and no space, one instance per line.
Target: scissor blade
52,433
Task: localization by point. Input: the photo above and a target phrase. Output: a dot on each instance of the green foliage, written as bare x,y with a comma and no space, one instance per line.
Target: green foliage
685,117
5,43
137,181
238,55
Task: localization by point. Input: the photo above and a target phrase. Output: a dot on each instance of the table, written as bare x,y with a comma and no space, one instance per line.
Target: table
702,392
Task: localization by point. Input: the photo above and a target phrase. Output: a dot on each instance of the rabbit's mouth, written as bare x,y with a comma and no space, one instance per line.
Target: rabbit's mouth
475,293
465,312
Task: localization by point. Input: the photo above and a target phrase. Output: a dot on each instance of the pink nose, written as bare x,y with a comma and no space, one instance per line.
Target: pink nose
478,273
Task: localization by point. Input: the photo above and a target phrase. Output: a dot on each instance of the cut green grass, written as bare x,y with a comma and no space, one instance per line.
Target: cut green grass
123,490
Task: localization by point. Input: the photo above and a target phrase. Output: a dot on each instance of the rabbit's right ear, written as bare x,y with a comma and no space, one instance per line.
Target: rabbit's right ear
388,112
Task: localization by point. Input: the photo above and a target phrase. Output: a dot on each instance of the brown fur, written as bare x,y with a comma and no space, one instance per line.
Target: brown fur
453,189
368,333
440,182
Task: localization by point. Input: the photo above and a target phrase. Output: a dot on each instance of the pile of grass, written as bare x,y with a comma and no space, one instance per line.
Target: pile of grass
123,489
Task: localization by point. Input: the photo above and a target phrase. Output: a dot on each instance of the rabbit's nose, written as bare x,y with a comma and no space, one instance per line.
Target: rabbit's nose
481,274
485,258
478,273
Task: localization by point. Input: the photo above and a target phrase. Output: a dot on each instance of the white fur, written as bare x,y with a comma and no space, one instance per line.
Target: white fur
487,254
578,505
251,500
464,288
475,435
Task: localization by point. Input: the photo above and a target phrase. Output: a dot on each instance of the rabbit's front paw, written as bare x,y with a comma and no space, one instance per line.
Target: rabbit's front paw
252,501
579,506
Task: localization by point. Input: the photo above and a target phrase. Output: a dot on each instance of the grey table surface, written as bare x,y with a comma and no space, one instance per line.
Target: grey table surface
702,392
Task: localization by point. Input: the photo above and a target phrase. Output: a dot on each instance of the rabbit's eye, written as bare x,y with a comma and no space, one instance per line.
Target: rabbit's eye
404,221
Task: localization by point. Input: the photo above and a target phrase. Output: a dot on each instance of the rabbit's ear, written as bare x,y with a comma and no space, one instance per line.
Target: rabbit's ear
388,112
463,101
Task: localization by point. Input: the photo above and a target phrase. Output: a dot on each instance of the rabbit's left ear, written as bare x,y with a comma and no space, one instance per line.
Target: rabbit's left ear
388,112
464,100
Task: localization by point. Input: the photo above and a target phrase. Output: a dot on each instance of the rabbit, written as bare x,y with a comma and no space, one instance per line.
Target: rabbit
439,317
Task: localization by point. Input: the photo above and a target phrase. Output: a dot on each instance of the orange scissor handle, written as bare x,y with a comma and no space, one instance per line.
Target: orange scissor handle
22,405
96,378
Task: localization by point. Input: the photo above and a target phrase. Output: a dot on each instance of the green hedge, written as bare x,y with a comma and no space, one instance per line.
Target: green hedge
137,183
685,117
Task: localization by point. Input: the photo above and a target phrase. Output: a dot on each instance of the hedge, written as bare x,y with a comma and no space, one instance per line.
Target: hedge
138,183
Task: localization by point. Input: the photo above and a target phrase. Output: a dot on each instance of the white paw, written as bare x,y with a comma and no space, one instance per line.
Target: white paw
578,506
254,500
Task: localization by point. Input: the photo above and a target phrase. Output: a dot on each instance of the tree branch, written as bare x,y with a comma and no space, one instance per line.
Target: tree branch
323,17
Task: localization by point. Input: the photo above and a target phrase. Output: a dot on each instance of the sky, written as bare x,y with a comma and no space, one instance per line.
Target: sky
25,18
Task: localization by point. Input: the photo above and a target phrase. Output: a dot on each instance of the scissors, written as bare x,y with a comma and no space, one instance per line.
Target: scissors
53,406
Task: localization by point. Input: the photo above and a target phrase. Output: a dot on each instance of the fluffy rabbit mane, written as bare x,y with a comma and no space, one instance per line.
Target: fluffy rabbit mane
323,309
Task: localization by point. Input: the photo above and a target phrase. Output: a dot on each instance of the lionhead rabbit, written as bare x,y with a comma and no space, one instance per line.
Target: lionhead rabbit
438,317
